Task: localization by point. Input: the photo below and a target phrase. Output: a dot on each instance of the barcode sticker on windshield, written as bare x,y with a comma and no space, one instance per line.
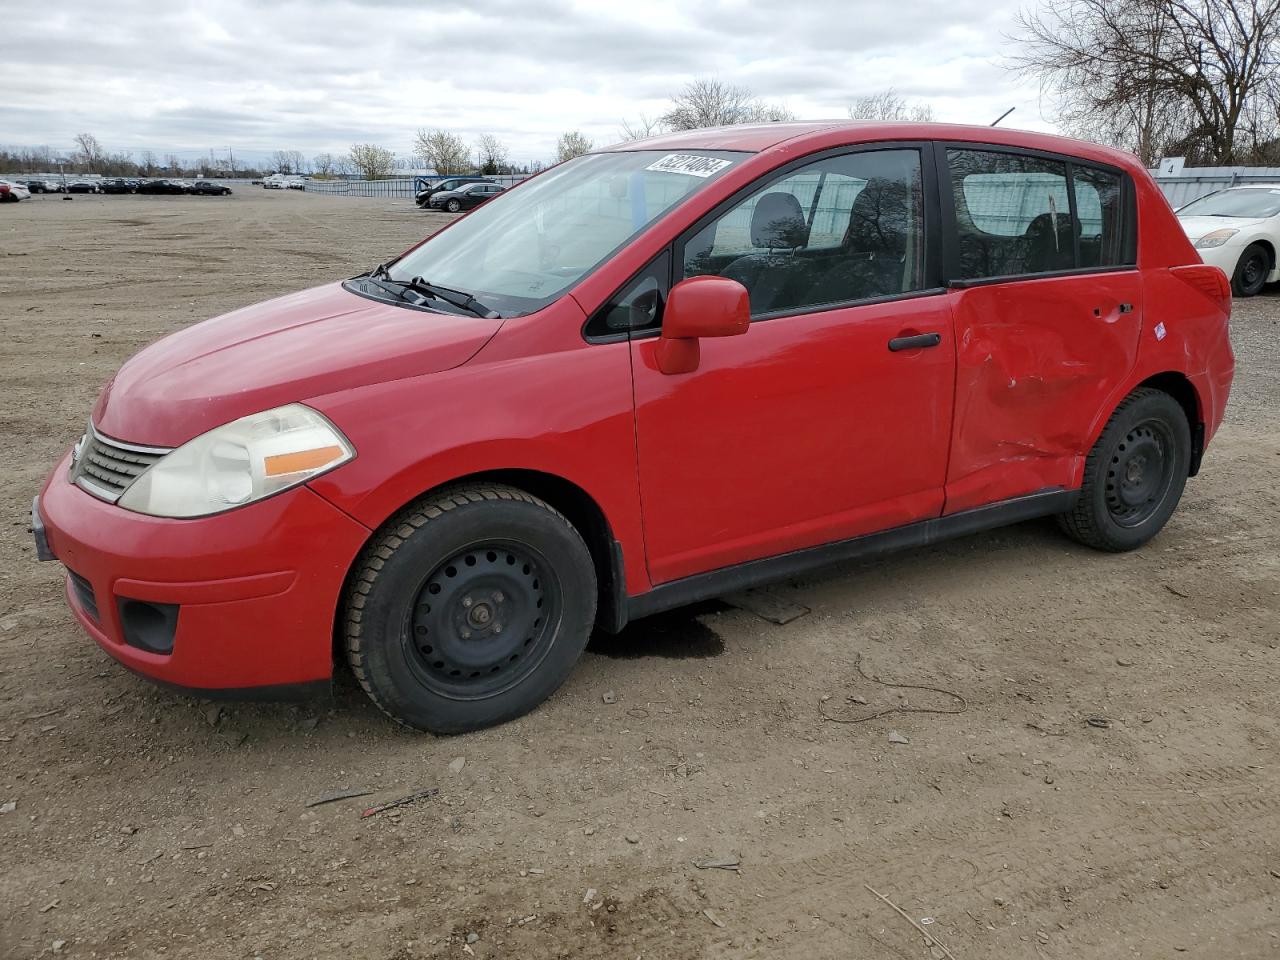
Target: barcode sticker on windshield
689,164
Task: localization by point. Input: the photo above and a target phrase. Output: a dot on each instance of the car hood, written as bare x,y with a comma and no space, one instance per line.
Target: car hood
1197,227
315,342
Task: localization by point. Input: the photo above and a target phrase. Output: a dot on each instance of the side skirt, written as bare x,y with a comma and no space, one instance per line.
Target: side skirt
704,586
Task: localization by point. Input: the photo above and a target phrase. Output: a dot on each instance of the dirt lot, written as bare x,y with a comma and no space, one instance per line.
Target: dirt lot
149,825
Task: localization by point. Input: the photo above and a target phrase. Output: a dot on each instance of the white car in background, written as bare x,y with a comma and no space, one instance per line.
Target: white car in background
13,191
1238,230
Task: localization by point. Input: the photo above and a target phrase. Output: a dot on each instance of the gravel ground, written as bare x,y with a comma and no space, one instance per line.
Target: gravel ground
147,825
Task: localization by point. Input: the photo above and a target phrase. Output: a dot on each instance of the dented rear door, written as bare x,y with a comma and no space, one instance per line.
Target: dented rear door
1035,362
1039,258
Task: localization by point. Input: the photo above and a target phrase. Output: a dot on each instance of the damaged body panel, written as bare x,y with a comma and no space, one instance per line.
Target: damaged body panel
1035,361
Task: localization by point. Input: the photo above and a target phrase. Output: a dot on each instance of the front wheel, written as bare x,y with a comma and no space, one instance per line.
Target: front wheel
469,608
1251,271
453,206
1134,476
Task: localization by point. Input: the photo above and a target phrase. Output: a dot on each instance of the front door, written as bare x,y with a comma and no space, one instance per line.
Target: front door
830,417
1047,304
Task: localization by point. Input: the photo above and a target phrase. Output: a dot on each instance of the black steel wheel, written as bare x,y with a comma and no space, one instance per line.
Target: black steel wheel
1251,271
469,608
1134,475
484,619
1140,473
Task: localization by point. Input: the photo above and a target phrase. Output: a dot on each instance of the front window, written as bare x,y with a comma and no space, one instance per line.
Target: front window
527,246
840,230
1249,202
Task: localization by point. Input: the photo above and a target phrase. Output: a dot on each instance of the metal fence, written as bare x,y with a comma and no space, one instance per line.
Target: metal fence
398,187
1192,183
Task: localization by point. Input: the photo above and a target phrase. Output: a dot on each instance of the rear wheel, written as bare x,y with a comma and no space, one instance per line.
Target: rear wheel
1251,271
469,609
1134,476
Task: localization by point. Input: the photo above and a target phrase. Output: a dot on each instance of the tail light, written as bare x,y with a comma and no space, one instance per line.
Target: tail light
1210,281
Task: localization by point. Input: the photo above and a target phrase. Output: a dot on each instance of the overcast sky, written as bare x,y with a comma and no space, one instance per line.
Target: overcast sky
319,75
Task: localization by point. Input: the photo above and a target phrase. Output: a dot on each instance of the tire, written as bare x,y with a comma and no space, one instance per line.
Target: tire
453,206
1134,475
1251,272
469,608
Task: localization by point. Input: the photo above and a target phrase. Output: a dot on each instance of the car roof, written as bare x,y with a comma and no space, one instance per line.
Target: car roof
820,134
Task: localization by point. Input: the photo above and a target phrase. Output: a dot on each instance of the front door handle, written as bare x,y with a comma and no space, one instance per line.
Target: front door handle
916,342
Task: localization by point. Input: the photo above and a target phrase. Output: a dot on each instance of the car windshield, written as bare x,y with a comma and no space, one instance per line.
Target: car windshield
1249,202
522,249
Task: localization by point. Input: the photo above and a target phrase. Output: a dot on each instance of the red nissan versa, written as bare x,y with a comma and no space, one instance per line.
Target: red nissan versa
650,375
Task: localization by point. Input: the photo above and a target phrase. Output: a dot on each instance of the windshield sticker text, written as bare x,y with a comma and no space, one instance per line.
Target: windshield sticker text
689,164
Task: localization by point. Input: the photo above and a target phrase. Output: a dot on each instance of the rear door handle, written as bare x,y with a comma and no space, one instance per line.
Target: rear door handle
916,342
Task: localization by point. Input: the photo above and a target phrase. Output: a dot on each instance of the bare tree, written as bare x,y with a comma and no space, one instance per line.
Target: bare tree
572,144
493,153
888,105
88,152
1197,77
322,164
282,160
443,151
708,102
640,129
372,161
147,164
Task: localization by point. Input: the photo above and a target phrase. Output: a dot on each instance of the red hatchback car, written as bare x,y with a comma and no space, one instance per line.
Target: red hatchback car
647,376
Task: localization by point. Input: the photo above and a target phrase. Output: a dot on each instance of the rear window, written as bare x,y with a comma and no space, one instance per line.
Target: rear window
1018,214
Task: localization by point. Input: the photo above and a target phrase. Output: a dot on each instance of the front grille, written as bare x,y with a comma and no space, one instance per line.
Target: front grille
83,590
105,467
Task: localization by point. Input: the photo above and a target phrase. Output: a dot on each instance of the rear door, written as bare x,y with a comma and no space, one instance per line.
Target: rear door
1040,258
822,422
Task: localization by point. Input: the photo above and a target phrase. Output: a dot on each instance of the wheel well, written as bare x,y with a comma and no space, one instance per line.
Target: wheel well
587,518
1182,390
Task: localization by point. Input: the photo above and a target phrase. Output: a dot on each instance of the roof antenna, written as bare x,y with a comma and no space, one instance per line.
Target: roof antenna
1002,116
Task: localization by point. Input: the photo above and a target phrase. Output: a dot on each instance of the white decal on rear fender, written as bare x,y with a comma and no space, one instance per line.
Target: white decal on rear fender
689,164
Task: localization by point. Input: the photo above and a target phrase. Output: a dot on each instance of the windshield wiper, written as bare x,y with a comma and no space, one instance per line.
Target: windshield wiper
458,298
381,277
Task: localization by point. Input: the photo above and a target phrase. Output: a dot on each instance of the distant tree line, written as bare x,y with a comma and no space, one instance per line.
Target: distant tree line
1197,78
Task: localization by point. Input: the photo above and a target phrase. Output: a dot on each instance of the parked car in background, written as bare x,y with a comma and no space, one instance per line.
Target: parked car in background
275,181
11,191
1238,231
162,187
117,185
465,197
209,189
670,370
295,183
452,183
84,186
44,185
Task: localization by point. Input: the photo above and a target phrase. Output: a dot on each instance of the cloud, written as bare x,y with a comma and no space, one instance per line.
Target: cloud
319,75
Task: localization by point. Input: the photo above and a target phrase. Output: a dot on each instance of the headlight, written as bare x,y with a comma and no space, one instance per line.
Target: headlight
1215,239
238,463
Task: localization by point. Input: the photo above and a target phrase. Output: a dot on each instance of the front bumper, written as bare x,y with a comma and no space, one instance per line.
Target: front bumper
254,591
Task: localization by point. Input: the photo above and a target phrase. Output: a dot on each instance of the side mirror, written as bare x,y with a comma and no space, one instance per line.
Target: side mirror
699,307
